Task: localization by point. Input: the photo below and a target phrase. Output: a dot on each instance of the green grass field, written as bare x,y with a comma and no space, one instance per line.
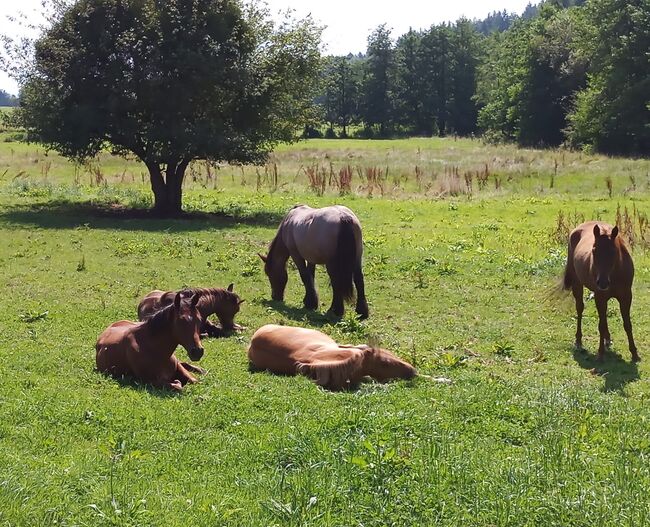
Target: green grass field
529,433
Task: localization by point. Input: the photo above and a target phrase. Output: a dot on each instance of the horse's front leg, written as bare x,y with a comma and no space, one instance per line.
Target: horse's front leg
578,294
210,329
193,368
307,276
603,329
625,302
184,376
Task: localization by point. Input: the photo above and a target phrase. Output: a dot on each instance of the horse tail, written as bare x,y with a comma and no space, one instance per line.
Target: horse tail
344,261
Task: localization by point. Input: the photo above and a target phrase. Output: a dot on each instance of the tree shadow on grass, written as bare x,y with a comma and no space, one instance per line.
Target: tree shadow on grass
616,371
300,314
63,214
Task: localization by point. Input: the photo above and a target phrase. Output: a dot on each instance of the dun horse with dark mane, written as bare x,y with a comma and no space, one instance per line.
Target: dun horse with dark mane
222,302
287,350
329,236
600,260
145,350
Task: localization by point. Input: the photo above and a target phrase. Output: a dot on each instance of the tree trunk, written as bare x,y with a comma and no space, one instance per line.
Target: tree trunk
167,190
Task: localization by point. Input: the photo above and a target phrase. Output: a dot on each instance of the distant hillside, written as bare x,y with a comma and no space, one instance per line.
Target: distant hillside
499,21
6,99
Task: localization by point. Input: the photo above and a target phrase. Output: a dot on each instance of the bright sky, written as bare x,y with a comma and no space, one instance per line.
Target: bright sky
349,22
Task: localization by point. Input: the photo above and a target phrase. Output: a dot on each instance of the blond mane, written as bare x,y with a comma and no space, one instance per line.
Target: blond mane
334,374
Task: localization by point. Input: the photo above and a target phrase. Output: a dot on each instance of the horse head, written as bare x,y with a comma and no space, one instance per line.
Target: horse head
229,308
382,365
277,274
186,325
605,255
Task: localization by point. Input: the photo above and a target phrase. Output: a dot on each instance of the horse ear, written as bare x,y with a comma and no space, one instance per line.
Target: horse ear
596,230
241,302
231,287
177,301
614,232
195,300
264,258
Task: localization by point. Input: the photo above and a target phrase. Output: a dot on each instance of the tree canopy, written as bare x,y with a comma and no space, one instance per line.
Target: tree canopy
169,82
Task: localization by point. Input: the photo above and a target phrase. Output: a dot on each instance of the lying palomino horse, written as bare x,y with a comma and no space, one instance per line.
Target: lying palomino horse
222,302
145,350
600,260
329,236
289,350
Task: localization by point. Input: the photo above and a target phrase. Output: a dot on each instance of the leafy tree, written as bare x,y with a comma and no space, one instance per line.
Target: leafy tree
170,82
613,113
529,78
377,106
466,54
342,81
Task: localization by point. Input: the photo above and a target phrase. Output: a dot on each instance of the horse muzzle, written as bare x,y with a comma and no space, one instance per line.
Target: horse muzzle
196,353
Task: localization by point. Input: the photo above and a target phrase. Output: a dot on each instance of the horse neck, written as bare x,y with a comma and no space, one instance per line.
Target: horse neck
210,301
278,252
160,343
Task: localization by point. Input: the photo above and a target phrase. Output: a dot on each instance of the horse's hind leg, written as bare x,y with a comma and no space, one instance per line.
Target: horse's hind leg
337,307
578,293
625,302
362,303
307,274
603,329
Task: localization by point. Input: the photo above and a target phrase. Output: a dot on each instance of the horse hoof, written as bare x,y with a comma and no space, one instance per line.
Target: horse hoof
636,358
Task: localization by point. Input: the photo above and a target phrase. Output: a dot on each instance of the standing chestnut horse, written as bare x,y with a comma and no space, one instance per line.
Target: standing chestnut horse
222,302
145,350
329,236
289,350
600,260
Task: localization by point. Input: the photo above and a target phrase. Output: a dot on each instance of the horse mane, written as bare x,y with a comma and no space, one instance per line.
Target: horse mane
334,374
210,298
160,319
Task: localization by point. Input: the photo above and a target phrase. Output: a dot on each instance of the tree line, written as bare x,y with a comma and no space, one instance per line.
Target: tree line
565,72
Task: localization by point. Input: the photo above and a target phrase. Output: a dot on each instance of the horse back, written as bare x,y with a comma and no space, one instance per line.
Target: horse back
279,348
112,348
152,302
314,233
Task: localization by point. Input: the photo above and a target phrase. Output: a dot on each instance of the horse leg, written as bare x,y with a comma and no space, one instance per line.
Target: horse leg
362,303
603,330
311,296
337,307
193,368
625,302
185,376
578,293
211,329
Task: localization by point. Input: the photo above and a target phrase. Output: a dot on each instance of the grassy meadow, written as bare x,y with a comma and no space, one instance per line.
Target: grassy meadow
463,243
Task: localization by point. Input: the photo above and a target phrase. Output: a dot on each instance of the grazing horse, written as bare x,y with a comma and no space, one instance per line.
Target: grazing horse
145,350
329,236
222,302
289,350
600,260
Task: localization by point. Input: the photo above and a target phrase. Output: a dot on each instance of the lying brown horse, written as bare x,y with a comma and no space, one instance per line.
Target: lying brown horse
329,236
289,350
600,260
145,350
222,302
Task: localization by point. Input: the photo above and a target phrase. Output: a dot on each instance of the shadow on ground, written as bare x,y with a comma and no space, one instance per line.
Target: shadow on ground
300,314
615,370
69,215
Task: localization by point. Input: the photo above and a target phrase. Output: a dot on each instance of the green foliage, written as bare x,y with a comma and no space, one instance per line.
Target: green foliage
529,78
612,113
169,82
